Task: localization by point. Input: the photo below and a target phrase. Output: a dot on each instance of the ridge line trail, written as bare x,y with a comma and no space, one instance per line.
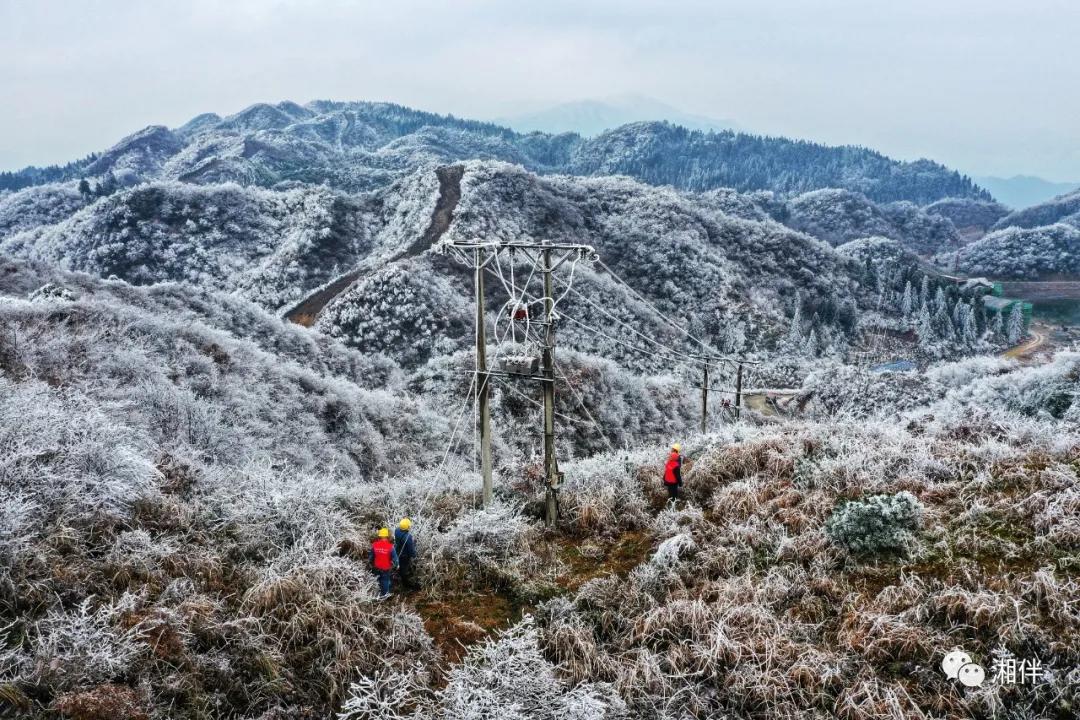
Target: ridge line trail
306,311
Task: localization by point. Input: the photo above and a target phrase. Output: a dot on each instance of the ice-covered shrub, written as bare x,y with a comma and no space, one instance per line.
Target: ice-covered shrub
877,524
660,571
509,678
81,647
850,391
1048,391
389,695
490,545
57,445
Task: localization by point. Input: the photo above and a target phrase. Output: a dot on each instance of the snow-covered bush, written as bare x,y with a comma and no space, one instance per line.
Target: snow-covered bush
510,678
876,525
83,646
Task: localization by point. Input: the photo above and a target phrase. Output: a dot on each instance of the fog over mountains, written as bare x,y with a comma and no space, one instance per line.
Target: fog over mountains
595,116
1022,191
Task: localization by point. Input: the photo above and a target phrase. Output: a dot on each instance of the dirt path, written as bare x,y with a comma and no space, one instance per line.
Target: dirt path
1038,339
306,311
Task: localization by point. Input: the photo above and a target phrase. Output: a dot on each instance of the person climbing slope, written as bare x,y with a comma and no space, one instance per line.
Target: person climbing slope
673,473
384,559
405,545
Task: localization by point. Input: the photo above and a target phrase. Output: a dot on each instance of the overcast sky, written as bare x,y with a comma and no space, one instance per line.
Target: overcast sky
986,86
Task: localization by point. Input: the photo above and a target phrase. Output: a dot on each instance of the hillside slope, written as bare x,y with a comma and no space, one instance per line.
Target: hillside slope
1034,253
188,484
1063,208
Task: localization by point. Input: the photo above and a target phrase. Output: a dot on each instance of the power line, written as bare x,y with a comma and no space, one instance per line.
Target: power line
523,396
631,328
581,402
637,348
654,308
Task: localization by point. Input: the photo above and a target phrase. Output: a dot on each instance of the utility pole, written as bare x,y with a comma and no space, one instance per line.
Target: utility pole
548,257
551,468
738,391
705,397
483,390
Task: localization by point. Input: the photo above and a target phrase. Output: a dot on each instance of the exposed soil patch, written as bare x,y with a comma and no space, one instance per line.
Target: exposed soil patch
458,620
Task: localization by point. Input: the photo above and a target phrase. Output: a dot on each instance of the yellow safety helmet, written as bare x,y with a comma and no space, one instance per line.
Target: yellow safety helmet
405,524
677,447
384,532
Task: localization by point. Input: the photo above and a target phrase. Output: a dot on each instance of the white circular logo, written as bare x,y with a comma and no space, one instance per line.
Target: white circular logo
953,661
971,674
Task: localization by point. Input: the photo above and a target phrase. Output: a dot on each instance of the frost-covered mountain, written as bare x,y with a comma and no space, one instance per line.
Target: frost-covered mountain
364,267
363,146
189,476
1062,208
1026,253
189,483
1037,242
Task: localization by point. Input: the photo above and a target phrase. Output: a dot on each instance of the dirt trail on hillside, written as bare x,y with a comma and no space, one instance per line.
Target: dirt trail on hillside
1038,339
307,310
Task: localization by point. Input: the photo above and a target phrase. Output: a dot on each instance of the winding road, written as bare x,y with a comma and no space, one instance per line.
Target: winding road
1037,340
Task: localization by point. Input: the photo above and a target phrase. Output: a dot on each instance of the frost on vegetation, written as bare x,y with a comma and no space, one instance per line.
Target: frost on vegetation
510,678
493,543
81,646
1048,391
876,525
850,391
409,312
389,695
1029,253
506,677
52,292
95,464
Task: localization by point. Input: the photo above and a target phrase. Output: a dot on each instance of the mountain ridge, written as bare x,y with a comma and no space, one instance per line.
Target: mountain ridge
360,146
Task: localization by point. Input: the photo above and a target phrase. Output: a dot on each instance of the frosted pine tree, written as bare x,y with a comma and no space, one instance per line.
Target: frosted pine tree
924,293
940,302
906,305
943,324
924,327
969,330
1016,324
810,347
996,327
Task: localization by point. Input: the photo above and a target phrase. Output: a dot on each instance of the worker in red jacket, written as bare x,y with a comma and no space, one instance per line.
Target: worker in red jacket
673,473
384,560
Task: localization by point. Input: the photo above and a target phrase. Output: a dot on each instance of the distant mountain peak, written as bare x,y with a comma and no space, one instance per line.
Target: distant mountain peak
592,116
1023,191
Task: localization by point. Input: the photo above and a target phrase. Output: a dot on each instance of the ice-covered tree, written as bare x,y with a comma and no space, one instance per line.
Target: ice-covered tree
1016,324
924,327
996,326
907,303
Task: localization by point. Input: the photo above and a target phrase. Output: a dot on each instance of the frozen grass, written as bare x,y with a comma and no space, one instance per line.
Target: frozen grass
185,516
